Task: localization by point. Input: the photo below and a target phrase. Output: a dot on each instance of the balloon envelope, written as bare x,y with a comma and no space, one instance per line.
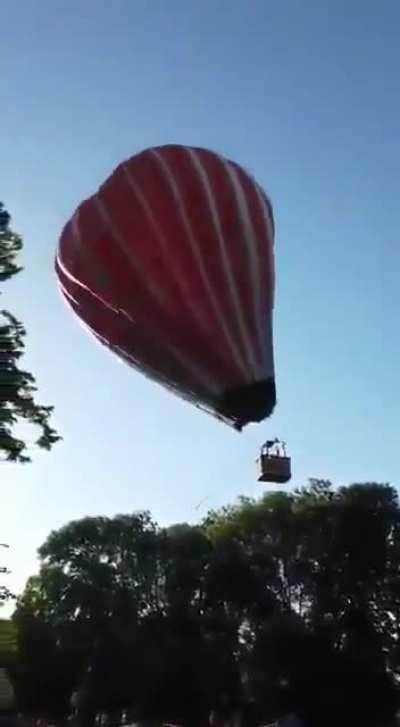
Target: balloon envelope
170,265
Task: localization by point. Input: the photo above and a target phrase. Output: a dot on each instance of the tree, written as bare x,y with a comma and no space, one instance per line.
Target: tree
17,387
331,561
45,672
8,642
5,593
129,600
99,579
8,660
280,603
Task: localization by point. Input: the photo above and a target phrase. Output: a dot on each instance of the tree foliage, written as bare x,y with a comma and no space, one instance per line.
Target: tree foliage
17,387
289,602
5,593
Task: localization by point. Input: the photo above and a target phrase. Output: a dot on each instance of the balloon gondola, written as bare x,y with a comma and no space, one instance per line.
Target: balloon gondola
170,265
274,464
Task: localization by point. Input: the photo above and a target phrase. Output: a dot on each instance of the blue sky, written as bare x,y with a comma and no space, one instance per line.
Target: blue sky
304,93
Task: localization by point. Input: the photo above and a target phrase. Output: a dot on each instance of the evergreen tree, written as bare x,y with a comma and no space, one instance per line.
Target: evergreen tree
17,387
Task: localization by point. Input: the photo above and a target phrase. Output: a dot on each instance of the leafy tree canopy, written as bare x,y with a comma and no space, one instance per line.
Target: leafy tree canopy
287,602
17,386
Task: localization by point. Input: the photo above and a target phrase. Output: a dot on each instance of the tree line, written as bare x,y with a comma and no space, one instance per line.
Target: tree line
286,603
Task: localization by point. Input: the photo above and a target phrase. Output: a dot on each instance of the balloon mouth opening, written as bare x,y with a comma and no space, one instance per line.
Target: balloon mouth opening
250,403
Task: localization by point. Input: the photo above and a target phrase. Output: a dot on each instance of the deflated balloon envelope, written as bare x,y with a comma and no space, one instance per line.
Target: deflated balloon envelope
170,265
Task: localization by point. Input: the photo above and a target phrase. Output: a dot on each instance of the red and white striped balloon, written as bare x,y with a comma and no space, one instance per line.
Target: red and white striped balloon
170,265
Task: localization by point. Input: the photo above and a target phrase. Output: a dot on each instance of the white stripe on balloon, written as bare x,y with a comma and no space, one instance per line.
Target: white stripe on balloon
269,228
197,256
84,286
126,249
252,251
206,381
93,266
226,265
154,290
168,259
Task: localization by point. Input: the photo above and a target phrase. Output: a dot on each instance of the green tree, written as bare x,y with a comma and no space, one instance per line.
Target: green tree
330,560
129,600
17,387
5,593
283,601
46,670
8,643
99,578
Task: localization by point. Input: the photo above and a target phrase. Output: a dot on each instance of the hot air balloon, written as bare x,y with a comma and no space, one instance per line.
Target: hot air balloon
170,265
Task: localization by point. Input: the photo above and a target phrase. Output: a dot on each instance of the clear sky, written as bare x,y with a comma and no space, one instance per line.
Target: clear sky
305,94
